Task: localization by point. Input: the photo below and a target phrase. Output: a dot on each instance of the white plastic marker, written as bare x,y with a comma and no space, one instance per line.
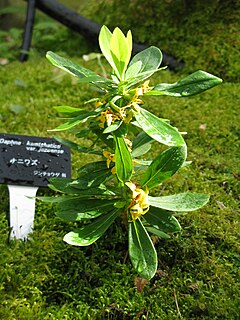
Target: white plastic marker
22,210
27,163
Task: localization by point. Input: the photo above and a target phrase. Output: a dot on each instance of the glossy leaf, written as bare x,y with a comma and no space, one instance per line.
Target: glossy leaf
141,77
78,208
82,133
69,186
105,36
144,61
123,159
77,147
112,127
92,175
121,49
158,233
141,250
140,165
93,231
69,112
122,130
164,166
141,144
193,84
60,184
133,69
158,129
75,121
73,68
162,220
180,202
140,151
56,199
105,138
95,79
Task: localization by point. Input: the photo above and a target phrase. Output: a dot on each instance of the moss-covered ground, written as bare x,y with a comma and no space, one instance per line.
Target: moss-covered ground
198,273
202,34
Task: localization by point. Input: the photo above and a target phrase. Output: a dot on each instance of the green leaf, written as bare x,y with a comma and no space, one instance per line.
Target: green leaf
122,130
133,69
116,48
97,81
95,168
92,79
141,250
105,36
113,127
64,185
148,60
70,112
82,133
158,233
140,151
93,231
55,199
121,49
130,44
140,165
123,159
141,76
180,202
92,175
158,129
77,147
164,166
107,139
60,184
193,84
75,121
78,209
162,220
74,69
141,144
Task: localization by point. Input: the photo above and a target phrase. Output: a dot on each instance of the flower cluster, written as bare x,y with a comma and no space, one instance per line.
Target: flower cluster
107,117
125,113
139,203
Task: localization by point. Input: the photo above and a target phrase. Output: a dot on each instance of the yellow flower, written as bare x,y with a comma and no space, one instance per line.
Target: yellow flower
135,101
129,144
126,114
102,120
99,104
144,88
110,158
108,117
139,204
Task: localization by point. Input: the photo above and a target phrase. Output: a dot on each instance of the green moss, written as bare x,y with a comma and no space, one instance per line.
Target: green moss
202,35
44,278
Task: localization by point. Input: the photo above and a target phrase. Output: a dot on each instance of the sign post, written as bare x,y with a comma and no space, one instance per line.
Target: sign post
27,163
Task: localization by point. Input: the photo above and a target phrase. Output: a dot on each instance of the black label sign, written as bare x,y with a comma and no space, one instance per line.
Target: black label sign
26,160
